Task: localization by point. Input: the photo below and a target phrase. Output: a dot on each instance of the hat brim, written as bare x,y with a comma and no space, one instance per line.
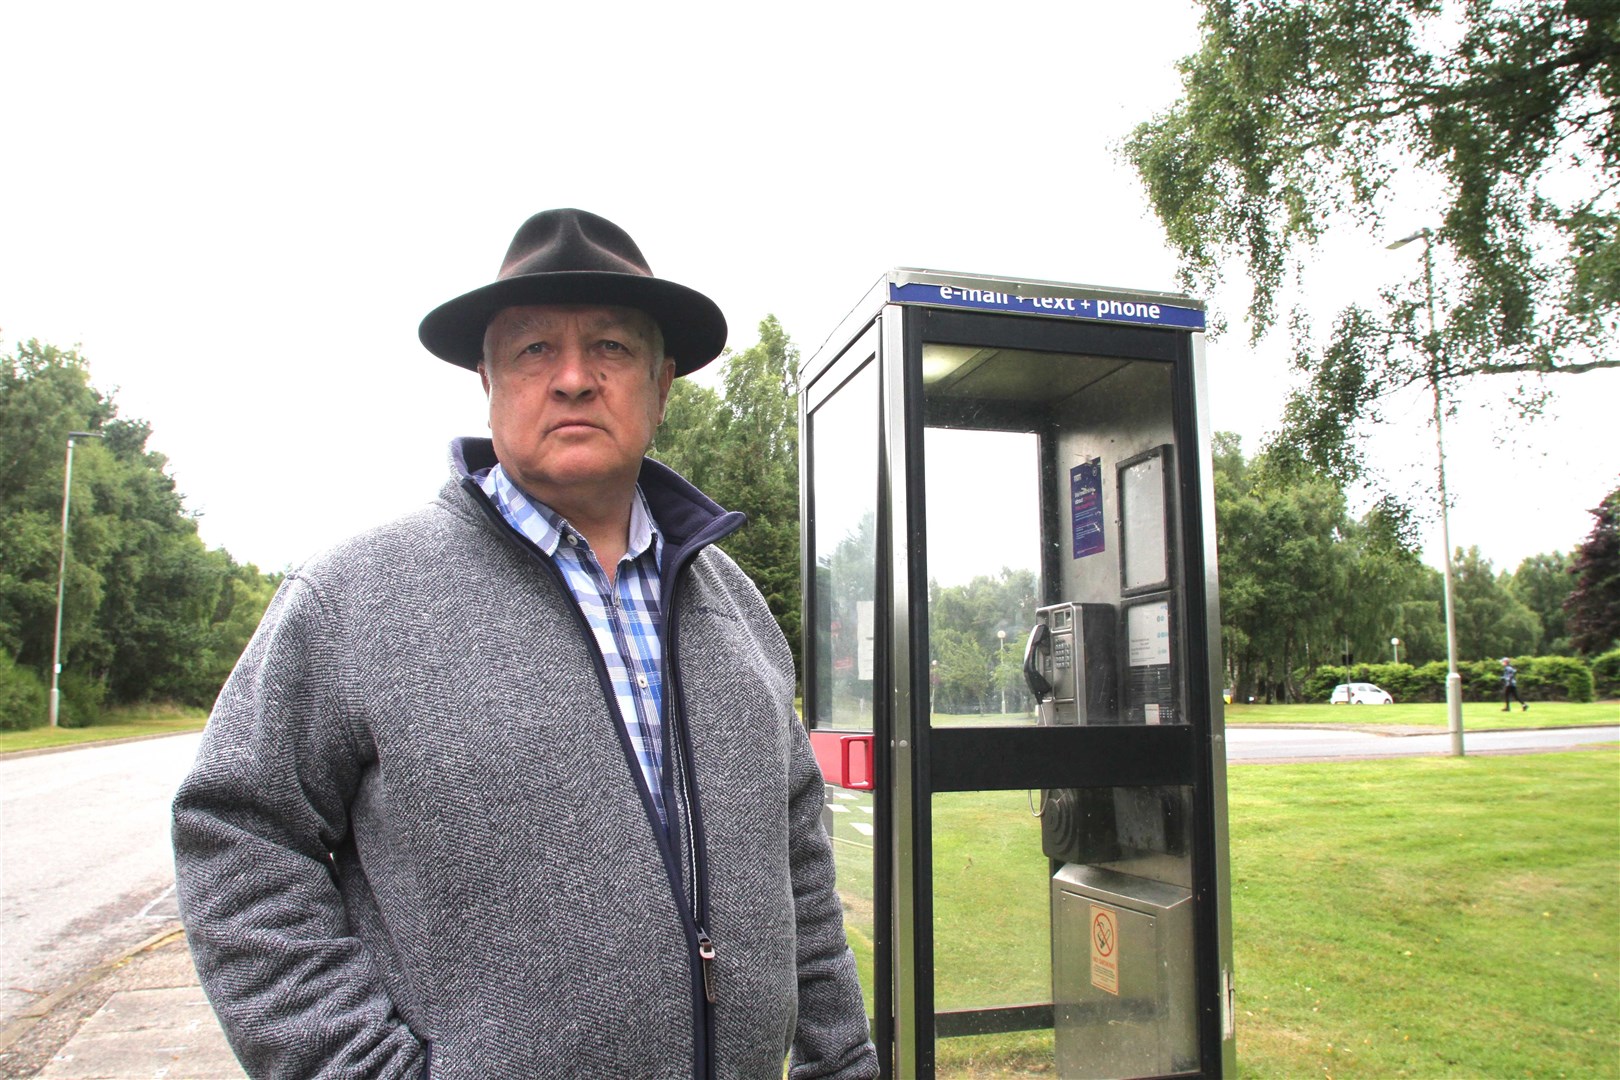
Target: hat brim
694,329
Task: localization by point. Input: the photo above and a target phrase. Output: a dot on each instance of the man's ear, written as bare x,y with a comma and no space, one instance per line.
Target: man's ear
483,377
666,379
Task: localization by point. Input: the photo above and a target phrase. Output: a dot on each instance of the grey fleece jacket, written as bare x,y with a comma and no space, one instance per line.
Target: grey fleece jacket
415,841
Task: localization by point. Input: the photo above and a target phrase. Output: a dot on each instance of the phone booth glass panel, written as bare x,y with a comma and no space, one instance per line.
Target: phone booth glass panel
841,432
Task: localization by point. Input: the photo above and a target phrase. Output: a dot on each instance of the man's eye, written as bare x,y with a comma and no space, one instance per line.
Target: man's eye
534,348
613,346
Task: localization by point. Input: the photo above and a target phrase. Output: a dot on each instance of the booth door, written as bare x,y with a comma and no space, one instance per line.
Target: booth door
1056,825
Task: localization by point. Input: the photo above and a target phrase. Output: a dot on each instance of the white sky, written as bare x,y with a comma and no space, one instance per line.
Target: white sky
240,213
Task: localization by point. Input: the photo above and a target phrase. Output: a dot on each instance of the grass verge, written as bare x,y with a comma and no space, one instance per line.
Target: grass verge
1426,917
1430,917
128,723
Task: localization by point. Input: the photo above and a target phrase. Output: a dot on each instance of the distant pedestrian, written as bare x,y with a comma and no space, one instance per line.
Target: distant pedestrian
1510,687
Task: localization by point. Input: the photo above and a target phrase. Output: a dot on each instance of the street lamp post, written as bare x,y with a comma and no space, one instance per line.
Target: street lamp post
61,574
1001,635
1395,649
1453,679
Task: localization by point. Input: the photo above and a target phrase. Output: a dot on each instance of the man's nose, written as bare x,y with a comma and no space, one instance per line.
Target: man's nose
573,377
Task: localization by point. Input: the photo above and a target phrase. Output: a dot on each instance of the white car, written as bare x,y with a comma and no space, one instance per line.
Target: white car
1359,693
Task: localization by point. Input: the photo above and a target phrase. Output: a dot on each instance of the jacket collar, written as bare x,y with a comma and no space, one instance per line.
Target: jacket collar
684,514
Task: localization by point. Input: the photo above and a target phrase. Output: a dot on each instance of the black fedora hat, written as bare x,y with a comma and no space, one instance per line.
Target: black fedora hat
575,257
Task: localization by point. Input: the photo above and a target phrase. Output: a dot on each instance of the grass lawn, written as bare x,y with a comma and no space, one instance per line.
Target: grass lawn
119,724
1427,917
1476,715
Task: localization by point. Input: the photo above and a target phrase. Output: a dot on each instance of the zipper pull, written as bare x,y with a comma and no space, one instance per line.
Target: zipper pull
706,954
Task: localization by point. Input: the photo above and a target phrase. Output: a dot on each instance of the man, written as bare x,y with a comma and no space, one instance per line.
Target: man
513,786
1510,688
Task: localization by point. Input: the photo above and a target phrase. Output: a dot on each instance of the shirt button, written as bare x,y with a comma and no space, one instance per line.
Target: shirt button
641,681
573,541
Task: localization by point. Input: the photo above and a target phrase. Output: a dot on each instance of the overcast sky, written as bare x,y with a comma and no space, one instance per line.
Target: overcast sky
241,212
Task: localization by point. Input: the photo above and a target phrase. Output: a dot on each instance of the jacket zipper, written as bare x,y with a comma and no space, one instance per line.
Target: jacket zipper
684,790
677,734
696,909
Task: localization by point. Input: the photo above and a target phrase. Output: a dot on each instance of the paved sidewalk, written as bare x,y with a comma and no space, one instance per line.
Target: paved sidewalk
142,1015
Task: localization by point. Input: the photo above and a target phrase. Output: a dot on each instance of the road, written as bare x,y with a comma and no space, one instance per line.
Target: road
86,869
1258,744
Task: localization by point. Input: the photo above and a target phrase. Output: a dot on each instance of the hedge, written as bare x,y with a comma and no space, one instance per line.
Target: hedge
1541,678
1606,674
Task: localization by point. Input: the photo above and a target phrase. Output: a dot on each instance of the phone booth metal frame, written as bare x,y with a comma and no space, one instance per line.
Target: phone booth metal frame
869,402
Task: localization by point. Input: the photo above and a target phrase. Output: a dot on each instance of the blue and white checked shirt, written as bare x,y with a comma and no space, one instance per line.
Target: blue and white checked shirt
625,617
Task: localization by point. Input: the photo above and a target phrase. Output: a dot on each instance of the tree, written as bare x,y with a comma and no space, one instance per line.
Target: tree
1303,584
1297,116
742,448
1283,575
985,622
1542,583
964,672
1593,607
148,611
1490,620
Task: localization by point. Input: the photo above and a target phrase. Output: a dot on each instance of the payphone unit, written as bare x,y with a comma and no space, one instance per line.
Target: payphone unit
1010,677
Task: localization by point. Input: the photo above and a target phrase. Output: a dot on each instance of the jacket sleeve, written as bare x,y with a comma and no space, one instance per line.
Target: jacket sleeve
255,823
832,1038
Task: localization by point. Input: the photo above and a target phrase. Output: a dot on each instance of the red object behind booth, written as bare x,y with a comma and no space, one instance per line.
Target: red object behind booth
845,758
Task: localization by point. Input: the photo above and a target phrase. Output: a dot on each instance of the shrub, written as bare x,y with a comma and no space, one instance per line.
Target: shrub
1606,674
1482,679
82,698
1404,682
1320,683
1555,678
24,701
1429,682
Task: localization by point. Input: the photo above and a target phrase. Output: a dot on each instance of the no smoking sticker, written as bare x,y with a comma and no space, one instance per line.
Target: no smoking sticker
1105,949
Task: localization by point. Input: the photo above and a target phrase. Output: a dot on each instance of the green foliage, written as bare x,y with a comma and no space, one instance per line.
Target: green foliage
1301,580
742,448
1299,116
1558,678
1404,682
973,664
1543,678
1606,674
145,611
1490,620
24,701
82,700
1593,605
1542,583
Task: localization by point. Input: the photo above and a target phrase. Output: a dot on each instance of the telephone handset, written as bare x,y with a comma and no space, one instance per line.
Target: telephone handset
1038,684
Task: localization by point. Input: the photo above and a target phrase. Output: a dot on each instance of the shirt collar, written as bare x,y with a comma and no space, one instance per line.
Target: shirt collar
545,528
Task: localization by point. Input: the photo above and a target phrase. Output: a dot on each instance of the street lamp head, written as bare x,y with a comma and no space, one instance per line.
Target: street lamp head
1421,234
86,435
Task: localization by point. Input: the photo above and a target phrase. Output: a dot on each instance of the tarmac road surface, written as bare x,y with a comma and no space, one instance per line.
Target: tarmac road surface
86,868
1264,743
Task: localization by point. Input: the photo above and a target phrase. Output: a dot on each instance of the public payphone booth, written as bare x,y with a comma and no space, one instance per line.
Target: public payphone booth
1011,677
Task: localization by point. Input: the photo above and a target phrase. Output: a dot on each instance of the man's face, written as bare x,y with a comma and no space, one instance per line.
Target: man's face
575,395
